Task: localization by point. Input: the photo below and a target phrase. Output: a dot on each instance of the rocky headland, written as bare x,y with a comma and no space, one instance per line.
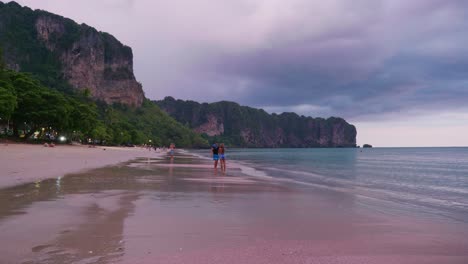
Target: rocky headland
57,48
249,127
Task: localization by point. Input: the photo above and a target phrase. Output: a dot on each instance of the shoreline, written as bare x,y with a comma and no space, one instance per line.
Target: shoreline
25,163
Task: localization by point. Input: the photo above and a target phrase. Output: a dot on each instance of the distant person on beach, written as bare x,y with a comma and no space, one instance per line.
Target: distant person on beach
214,152
222,157
172,149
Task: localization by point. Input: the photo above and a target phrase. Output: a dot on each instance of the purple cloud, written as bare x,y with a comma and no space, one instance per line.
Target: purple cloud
355,59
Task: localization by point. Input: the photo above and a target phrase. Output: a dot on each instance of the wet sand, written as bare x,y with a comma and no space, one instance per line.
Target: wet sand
162,210
22,163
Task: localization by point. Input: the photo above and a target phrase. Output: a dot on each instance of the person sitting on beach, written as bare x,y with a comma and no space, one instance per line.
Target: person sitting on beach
214,152
222,158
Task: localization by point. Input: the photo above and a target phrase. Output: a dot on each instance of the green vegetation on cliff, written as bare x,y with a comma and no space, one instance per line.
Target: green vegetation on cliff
66,56
249,127
122,124
24,51
40,51
29,108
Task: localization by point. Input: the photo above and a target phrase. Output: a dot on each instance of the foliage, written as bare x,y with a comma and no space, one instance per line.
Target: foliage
113,48
8,102
18,37
32,107
83,116
8,99
146,125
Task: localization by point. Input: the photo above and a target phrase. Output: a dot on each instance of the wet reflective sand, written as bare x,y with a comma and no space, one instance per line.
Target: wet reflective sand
181,211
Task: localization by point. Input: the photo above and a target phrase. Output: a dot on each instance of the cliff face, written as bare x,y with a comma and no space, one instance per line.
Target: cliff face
77,54
249,127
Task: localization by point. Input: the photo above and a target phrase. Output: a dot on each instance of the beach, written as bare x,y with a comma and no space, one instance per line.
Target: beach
23,163
158,209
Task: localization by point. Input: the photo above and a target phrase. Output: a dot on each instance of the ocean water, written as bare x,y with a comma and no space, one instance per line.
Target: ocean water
427,181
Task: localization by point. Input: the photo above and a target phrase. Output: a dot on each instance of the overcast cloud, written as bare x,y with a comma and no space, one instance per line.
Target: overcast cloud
369,61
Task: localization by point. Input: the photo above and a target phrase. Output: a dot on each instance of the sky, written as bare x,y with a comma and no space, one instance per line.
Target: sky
396,69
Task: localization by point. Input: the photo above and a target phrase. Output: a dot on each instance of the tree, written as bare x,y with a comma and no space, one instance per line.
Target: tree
39,106
8,103
83,116
8,100
100,133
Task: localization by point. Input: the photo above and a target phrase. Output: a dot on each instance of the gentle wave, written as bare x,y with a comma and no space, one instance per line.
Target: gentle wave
429,177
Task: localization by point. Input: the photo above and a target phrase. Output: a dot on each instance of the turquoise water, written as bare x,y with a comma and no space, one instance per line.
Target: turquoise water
424,180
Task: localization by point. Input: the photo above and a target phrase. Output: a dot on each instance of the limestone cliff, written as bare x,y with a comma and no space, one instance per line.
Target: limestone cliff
249,127
54,47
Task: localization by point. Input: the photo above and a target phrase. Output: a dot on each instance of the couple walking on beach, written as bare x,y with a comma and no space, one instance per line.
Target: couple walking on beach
218,155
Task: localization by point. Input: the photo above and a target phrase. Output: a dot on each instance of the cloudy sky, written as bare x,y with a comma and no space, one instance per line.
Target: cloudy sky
397,69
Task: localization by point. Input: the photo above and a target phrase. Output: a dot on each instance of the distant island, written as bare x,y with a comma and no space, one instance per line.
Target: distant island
367,146
59,78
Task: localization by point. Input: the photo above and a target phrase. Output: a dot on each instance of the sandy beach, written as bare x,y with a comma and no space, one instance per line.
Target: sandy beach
22,163
163,210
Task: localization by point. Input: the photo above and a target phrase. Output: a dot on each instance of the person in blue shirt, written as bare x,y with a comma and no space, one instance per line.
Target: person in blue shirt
214,152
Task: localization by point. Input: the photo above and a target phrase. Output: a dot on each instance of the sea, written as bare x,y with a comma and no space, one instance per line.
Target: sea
429,182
